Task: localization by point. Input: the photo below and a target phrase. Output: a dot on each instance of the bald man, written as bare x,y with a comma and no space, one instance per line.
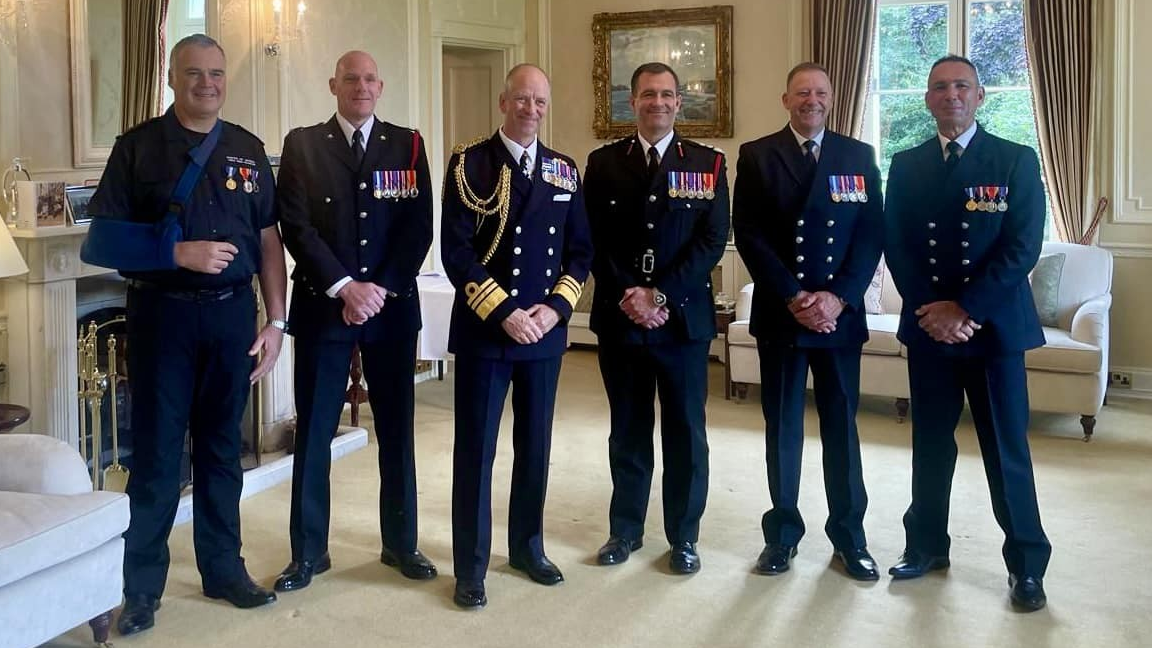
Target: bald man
355,200
515,243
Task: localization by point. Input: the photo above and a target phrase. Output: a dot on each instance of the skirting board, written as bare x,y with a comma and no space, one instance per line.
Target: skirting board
1141,383
348,439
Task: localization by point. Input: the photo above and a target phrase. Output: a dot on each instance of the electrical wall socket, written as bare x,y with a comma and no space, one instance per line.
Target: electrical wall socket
1121,379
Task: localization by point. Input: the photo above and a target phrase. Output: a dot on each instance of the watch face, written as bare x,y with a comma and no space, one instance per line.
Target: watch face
659,299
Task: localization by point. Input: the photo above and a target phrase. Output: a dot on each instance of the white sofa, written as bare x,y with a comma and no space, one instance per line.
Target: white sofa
1069,374
61,551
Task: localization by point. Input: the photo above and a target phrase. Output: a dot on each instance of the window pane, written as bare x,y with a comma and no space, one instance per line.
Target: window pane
910,38
195,10
1008,114
996,42
904,123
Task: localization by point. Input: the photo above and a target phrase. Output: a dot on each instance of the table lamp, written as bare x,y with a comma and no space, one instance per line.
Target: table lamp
11,265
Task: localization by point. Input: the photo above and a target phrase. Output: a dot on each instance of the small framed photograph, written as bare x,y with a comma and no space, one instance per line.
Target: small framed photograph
40,204
78,197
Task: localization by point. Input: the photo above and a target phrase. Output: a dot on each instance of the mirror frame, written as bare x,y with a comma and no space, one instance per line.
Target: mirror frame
85,154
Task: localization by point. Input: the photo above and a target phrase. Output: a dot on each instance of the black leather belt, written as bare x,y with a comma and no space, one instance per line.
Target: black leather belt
189,294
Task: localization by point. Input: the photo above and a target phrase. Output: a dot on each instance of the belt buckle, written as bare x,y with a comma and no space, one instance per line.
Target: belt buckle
647,262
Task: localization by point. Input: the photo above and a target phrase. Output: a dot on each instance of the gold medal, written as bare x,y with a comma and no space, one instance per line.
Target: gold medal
231,184
835,197
970,205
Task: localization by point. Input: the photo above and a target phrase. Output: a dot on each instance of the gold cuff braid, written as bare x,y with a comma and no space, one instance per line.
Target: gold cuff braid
485,297
568,288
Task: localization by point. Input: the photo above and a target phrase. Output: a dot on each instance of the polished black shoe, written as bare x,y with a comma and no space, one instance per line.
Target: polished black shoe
914,564
412,564
617,550
243,594
858,563
684,559
1027,592
138,614
540,569
775,559
298,574
470,595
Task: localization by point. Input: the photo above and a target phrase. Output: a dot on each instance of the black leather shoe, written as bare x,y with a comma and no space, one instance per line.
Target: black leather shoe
914,564
243,594
1027,592
684,559
858,563
298,575
540,569
412,564
470,595
775,559
139,614
617,550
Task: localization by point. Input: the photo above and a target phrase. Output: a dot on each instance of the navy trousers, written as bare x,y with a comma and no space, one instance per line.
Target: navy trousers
188,364
481,388
633,376
997,390
836,383
321,376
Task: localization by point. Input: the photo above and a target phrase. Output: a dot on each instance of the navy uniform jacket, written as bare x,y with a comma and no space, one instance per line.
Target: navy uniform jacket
792,237
939,250
334,225
142,172
646,238
542,256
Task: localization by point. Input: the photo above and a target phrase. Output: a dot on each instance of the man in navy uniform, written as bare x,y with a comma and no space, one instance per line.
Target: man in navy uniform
186,211
964,223
515,243
658,208
356,207
808,214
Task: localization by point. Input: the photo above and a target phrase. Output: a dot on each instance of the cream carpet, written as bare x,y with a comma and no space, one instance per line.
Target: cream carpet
1093,497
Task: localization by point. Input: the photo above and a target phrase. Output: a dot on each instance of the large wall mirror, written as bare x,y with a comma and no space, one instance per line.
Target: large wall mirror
97,65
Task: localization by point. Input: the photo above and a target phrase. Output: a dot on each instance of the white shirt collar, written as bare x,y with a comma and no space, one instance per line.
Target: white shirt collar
800,139
516,150
661,146
963,140
365,129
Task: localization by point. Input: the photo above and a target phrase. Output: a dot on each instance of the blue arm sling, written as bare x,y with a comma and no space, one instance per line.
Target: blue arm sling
124,245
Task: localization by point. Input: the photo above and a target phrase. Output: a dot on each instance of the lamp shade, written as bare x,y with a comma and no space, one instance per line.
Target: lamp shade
11,261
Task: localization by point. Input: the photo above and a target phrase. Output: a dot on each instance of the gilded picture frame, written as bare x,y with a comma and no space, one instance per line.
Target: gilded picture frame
696,42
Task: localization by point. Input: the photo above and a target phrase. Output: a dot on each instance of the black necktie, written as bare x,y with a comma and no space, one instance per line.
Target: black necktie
653,162
358,146
809,160
953,158
524,166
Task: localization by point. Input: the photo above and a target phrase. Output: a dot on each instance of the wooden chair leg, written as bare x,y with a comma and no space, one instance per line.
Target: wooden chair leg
1089,424
901,409
100,627
357,393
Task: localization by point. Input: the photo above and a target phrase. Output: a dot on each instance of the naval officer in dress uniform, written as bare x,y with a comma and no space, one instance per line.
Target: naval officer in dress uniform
356,208
658,208
516,246
186,212
809,219
964,221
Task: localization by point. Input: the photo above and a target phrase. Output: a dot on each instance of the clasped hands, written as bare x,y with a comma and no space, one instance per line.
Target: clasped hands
362,300
817,311
947,322
639,304
530,326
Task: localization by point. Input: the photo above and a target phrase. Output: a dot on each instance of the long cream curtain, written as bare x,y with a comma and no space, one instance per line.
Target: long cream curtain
842,32
143,76
1059,37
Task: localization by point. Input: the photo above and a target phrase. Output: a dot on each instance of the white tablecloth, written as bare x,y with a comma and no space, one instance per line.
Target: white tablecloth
436,295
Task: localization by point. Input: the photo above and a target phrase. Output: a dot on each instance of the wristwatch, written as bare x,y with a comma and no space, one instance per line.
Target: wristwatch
278,324
659,298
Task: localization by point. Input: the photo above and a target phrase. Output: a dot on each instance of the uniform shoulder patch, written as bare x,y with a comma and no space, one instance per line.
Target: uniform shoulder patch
464,146
703,145
245,131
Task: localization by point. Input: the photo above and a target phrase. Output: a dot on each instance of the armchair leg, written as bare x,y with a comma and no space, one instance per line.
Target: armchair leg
740,390
100,627
901,409
1089,424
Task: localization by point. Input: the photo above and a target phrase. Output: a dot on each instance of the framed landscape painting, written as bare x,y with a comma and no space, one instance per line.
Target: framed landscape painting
696,43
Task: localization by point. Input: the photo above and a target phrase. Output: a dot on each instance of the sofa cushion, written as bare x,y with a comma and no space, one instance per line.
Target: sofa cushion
874,295
1045,280
38,531
738,334
882,335
1061,353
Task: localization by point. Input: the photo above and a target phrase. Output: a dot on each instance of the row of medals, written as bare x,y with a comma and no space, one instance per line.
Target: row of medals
849,196
249,186
559,181
986,205
674,192
391,192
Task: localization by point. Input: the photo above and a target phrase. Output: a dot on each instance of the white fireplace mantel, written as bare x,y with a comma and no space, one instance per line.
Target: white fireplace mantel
42,371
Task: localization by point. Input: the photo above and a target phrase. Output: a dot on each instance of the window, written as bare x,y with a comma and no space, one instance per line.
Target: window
185,17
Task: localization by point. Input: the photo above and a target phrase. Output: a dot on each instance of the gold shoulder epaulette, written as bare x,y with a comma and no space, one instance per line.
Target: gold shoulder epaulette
460,148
